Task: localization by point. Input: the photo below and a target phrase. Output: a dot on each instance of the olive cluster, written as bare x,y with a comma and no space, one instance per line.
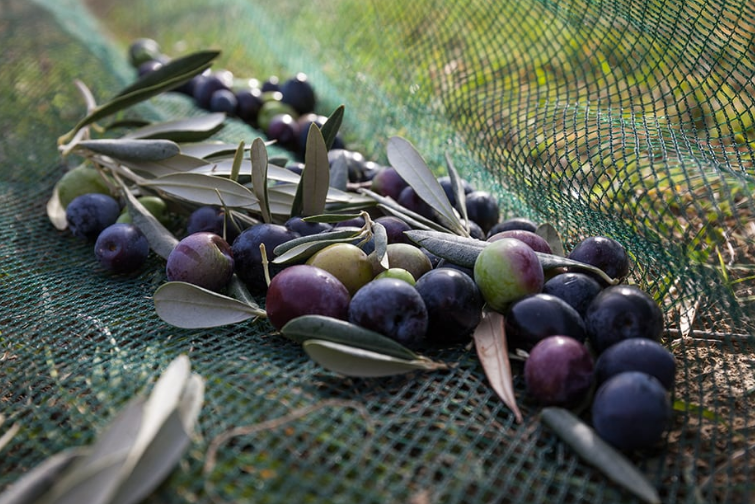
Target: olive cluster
282,110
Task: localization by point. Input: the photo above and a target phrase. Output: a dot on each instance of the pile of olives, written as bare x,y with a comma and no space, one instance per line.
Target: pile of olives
588,341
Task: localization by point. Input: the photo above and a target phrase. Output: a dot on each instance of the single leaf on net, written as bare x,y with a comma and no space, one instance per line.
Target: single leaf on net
190,129
160,239
312,190
457,186
381,244
34,484
490,342
189,306
547,232
165,78
55,211
331,126
352,361
132,149
259,177
203,189
95,478
409,164
320,327
180,163
597,452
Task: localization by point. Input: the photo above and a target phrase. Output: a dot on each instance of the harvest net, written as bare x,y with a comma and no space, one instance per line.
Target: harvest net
630,119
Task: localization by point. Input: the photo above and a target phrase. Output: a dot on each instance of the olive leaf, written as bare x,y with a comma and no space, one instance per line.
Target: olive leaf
160,239
597,452
55,211
457,186
331,126
189,306
381,244
312,190
223,168
35,483
180,163
405,159
346,233
414,219
239,291
339,172
464,251
490,343
547,232
165,78
203,189
320,327
132,149
209,149
308,248
9,434
331,217
190,129
352,361
259,177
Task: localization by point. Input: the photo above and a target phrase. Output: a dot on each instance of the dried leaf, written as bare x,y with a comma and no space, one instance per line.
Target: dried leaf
307,327
189,306
492,349
352,361
549,234
203,189
190,129
597,452
409,164
259,177
132,149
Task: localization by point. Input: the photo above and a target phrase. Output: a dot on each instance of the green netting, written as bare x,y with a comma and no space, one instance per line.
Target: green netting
632,119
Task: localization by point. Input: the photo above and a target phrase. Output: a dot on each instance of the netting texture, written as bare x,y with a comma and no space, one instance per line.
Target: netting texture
631,119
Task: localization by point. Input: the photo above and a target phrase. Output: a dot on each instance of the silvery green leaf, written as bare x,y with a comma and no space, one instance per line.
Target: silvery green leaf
458,189
210,149
55,211
161,241
304,251
550,235
190,129
238,290
320,327
189,306
597,452
312,191
381,244
223,168
165,78
132,149
409,164
414,219
191,402
331,126
32,485
95,478
339,173
331,218
180,163
238,158
346,233
492,350
352,361
259,177
279,161
203,189
156,462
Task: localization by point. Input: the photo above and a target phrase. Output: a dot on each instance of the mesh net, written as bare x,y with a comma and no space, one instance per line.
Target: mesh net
632,119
